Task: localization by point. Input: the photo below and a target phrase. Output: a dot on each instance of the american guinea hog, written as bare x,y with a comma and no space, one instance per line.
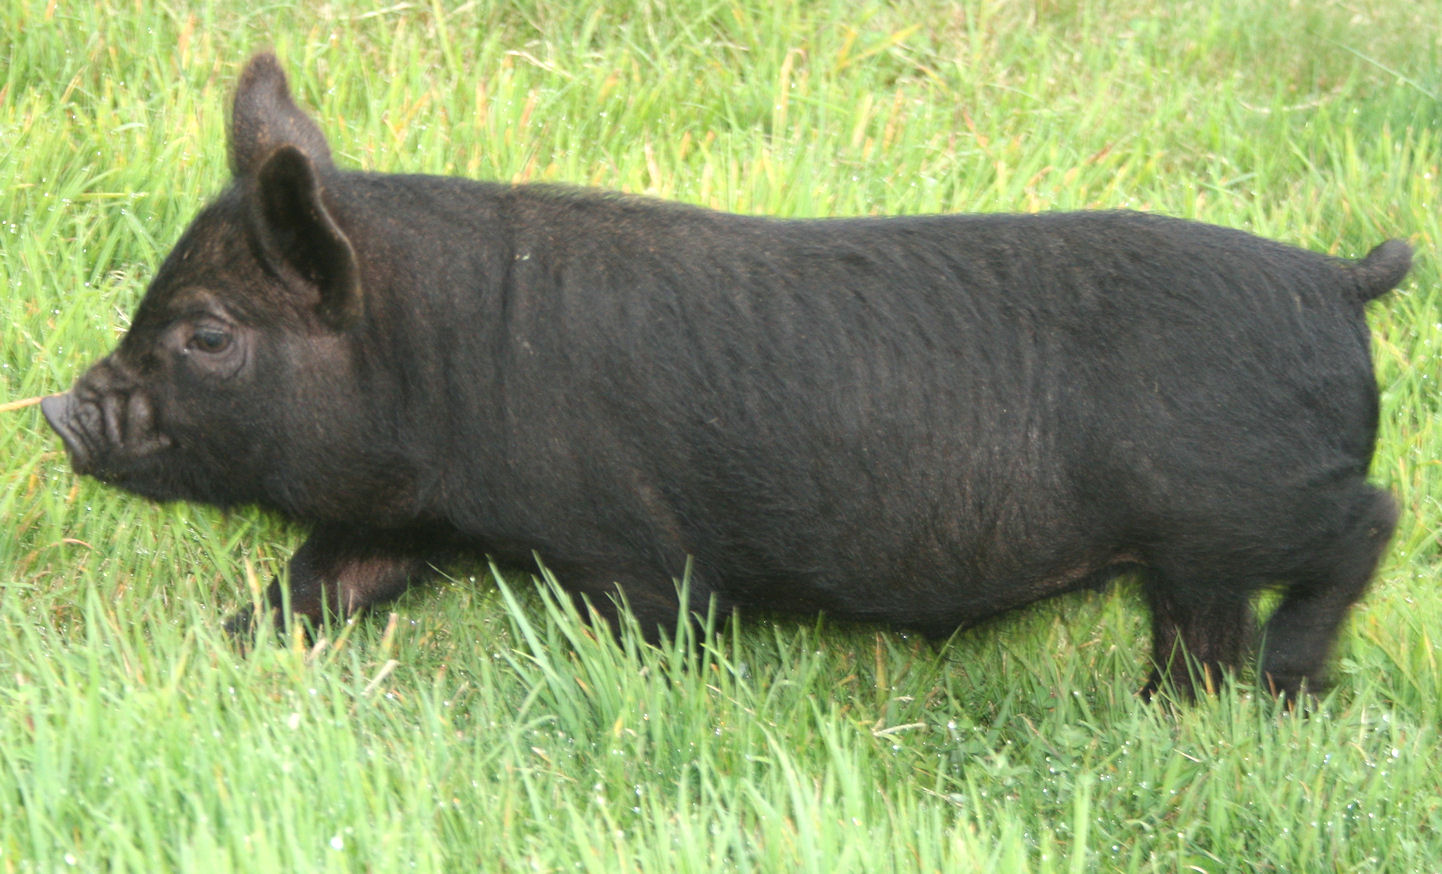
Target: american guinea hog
920,421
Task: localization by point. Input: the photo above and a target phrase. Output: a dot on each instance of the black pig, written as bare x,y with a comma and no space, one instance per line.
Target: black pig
919,421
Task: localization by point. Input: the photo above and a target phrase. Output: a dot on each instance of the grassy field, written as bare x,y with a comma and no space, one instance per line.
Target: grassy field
481,726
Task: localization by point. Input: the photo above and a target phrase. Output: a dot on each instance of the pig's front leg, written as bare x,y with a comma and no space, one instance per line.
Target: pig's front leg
339,570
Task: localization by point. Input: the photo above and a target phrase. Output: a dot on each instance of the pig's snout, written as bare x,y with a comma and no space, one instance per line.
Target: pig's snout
59,411
56,409
107,427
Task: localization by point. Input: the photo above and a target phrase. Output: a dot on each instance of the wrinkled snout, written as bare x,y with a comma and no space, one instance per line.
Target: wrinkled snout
59,410
106,424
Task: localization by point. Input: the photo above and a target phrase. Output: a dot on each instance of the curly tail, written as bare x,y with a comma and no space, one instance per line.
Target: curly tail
1381,270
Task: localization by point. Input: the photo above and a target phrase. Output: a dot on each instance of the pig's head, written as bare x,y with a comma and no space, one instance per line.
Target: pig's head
240,380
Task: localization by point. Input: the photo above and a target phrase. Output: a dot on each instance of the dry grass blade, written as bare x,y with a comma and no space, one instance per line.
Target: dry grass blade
11,406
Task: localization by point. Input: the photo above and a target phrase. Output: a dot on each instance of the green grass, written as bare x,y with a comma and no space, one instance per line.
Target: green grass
482,726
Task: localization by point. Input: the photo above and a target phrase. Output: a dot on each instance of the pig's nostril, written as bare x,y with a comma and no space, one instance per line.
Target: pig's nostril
61,414
56,410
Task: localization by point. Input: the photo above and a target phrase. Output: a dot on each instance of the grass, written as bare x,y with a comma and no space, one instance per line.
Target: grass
481,725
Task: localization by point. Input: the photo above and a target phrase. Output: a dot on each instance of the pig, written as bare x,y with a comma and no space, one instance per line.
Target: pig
915,421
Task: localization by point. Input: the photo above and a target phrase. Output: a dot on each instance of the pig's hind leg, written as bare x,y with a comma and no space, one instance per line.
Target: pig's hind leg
1323,553
1334,573
1200,628
340,570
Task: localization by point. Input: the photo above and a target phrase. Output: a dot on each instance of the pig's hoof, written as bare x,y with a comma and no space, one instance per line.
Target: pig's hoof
244,628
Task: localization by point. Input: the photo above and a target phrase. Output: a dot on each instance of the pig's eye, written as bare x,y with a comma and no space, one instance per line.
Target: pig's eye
209,340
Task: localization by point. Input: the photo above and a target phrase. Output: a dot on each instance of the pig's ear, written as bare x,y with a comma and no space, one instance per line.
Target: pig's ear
297,231
264,118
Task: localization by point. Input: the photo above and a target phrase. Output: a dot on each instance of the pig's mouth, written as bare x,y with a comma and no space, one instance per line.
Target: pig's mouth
105,437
